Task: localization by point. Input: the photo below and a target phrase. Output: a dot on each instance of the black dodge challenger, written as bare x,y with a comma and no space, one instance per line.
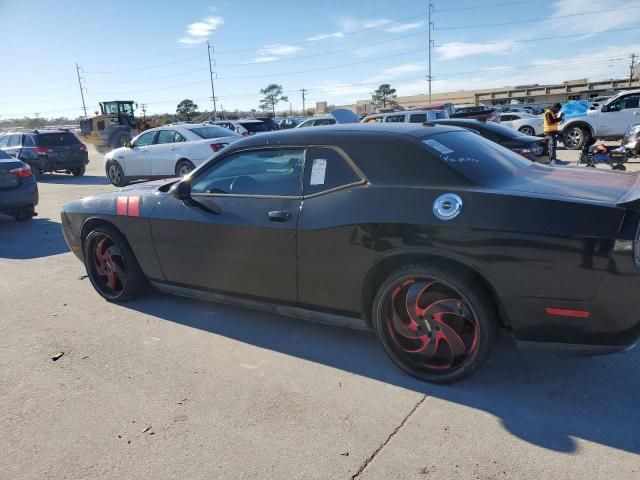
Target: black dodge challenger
432,236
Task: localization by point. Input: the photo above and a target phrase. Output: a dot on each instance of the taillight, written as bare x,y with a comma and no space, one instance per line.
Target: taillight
83,147
22,171
42,150
216,147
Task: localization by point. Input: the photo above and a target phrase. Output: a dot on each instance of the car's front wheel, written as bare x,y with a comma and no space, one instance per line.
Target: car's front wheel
116,176
436,323
111,265
527,130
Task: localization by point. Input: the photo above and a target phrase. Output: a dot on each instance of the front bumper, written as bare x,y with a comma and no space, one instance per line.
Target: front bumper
25,195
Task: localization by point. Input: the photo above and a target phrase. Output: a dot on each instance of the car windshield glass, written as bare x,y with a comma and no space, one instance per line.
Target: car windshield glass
479,160
212,132
57,139
501,130
255,127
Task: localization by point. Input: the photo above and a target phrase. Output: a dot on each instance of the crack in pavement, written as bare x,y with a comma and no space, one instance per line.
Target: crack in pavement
370,458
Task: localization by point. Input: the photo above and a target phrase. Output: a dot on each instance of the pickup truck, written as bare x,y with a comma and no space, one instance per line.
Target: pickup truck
608,121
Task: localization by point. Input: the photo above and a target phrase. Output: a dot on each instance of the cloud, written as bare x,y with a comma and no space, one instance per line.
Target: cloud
403,27
450,51
197,32
607,20
279,49
398,71
264,59
325,36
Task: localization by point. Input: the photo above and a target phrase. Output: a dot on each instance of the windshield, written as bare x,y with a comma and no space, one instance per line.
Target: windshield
479,160
57,139
503,130
212,132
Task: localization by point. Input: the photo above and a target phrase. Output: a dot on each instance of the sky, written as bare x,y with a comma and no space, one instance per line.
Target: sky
155,52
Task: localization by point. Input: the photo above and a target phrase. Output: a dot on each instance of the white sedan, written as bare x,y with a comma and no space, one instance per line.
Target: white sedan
168,151
522,121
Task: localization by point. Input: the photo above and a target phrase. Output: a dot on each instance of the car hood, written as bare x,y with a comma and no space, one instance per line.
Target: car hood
588,184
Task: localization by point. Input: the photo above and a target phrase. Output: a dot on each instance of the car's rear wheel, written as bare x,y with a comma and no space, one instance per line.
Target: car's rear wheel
184,167
435,323
111,265
527,130
574,138
116,176
78,171
25,214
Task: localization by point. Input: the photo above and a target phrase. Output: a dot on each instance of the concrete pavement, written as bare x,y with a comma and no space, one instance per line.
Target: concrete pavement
165,387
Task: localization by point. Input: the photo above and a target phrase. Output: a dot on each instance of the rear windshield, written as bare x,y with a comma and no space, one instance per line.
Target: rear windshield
481,161
57,139
3,155
254,127
212,132
503,130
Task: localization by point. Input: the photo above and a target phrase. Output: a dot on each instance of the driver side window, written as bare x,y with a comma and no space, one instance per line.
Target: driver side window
144,139
270,172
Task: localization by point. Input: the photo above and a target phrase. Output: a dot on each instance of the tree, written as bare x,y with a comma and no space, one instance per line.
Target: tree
384,96
272,96
186,109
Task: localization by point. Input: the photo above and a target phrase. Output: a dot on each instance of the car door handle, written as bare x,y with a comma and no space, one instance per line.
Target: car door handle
279,216
173,149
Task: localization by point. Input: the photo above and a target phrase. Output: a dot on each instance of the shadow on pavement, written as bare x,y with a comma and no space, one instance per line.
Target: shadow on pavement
544,398
40,237
61,178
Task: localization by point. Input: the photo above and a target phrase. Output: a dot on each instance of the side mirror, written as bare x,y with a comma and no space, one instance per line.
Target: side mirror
181,190
127,143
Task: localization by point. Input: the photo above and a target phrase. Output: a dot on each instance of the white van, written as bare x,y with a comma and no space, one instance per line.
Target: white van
409,116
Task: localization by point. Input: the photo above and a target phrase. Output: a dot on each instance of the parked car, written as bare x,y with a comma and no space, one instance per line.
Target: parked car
289,122
409,116
525,123
607,122
434,237
269,122
168,151
317,122
18,188
243,127
47,151
535,149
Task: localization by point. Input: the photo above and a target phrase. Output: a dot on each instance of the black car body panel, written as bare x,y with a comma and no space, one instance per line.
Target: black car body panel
16,192
542,241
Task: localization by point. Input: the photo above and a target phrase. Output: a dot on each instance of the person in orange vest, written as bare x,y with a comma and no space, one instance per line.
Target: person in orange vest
552,120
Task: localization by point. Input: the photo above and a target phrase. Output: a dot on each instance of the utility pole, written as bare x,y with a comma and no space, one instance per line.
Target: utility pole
290,110
211,72
430,28
304,111
632,67
144,111
84,107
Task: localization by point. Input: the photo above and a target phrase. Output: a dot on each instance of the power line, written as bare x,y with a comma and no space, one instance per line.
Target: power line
538,19
148,67
486,5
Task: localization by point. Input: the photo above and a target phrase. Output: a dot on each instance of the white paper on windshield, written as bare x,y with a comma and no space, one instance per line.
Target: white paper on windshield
438,147
318,171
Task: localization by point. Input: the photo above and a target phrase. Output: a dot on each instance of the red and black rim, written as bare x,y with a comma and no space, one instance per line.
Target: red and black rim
107,265
429,325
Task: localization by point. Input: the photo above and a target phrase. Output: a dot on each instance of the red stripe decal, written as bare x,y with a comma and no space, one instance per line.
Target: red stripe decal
565,312
121,205
134,206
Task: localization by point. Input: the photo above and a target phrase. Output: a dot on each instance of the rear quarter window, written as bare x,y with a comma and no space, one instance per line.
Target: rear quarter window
213,131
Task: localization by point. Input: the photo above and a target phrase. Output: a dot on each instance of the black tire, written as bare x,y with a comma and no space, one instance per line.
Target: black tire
116,175
527,130
78,171
574,138
184,167
25,214
115,273
442,288
120,139
619,166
